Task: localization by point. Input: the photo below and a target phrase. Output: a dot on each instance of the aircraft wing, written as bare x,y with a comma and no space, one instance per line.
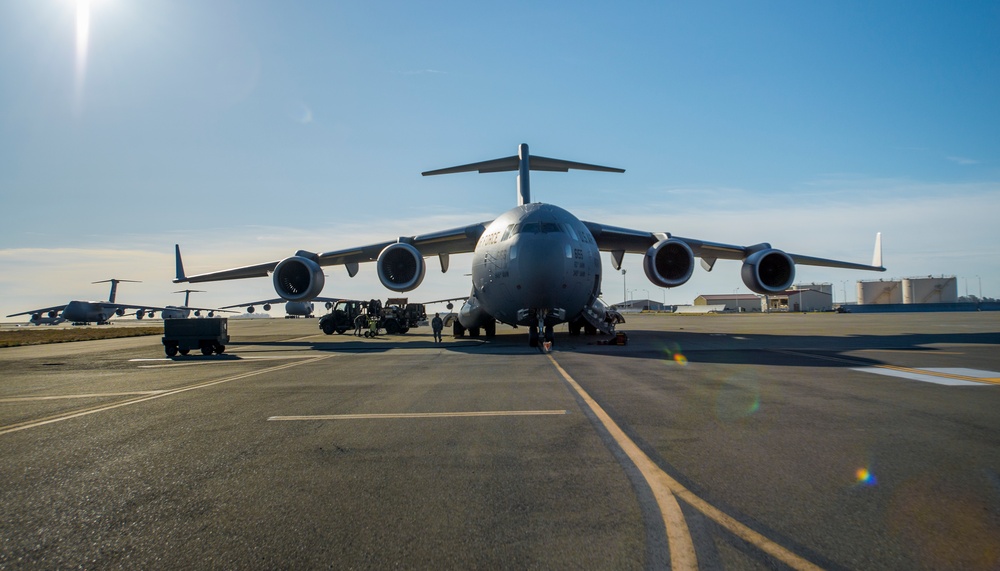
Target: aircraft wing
618,241
454,241
40,311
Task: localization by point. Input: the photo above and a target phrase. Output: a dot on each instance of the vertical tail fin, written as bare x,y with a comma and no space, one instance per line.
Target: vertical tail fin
179,266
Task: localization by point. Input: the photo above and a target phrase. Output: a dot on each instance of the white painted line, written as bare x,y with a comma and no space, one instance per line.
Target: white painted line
936,376
80,396
422,415
140,399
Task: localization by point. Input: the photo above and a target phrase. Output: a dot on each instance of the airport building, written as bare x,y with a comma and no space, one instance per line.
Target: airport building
741,302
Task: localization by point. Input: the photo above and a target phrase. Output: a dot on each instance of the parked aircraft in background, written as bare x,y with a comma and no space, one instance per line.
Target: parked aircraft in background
292,308
78,311
535,265
181,311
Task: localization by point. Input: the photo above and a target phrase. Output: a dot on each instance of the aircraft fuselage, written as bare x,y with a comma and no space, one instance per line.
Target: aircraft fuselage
88,311
536,261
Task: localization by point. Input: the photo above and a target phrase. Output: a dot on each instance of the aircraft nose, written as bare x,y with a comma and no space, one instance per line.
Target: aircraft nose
542,263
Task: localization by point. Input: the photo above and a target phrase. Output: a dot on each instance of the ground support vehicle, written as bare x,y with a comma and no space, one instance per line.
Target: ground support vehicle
399,316
209,334
341,317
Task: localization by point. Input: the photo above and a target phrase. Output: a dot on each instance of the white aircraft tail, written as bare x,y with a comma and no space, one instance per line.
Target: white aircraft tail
877,256
523,163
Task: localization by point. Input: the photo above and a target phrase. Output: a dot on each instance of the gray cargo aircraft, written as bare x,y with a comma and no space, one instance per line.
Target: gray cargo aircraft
78,311
535,265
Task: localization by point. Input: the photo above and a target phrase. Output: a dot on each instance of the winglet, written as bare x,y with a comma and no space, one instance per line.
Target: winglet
877,256
180,265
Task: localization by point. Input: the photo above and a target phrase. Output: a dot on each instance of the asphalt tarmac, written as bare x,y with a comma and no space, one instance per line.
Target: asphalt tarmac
798,441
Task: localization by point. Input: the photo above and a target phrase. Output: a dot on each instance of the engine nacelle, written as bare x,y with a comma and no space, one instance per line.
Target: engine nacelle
252,309
140,314
400,267
669,263
768,271
298,278
120,311
266,307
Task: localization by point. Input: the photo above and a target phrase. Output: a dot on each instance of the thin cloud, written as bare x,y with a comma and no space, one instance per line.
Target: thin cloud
963,160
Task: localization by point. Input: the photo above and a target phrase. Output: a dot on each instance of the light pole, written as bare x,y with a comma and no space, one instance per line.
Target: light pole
980,288
647,297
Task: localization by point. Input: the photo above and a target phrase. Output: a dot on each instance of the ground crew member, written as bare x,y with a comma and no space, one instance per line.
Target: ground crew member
437,325
359,323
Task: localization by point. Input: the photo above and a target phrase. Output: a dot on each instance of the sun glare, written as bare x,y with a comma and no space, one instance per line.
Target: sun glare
83,9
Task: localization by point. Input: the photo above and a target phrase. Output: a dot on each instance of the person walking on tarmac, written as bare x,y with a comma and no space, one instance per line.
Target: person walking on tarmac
437,325
359,323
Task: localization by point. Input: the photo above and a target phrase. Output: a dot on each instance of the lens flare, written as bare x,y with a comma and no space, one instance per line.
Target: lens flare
865,477
675,355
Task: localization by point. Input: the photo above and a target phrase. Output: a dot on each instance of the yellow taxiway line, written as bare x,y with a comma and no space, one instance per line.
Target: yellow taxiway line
666,490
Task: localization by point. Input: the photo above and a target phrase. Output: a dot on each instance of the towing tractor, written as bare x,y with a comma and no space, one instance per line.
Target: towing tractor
395,316
341,317
399,316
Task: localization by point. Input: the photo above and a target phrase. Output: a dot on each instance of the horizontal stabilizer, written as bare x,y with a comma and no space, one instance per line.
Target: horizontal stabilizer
523,162
512,163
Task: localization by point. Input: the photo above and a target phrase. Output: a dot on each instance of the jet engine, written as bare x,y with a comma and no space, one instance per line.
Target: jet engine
120,311
298,278
252,309
140,314
768,271
668,263
400,267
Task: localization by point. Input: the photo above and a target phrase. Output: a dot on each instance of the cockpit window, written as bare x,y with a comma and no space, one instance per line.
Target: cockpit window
510,231
569,230
540,228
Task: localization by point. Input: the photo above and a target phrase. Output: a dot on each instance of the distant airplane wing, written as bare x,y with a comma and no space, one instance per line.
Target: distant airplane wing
454,241
126,307
40,311
189,308
276,300
619,241
261,302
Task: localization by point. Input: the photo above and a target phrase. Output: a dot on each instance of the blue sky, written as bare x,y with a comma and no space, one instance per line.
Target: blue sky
246,130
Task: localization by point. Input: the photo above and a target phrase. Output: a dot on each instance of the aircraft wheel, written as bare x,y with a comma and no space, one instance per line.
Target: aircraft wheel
550,335
207,349
533,337
219,349
170,350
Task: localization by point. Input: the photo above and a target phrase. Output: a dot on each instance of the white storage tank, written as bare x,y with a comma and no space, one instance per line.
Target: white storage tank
930,290
880,292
